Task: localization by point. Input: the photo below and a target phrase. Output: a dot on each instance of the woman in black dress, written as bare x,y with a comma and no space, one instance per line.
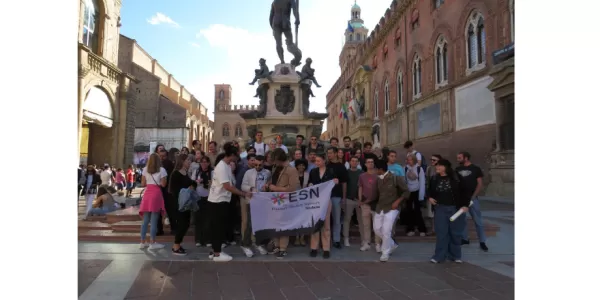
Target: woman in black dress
203,177
179,180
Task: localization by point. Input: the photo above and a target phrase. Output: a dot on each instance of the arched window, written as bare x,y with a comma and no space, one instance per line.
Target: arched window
91,20
386,99
441,62
416,76
399,87
225,130
475,41
376,104
238,130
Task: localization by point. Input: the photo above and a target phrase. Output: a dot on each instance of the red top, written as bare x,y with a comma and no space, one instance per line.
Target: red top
130,176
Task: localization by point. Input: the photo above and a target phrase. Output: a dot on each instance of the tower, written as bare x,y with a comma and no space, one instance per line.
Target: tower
356,34
222,96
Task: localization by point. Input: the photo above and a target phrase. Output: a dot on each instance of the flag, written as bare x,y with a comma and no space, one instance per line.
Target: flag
350,28
344,112
351,105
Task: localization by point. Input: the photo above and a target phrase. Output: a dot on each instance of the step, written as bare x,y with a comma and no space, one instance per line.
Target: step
127,214
93,225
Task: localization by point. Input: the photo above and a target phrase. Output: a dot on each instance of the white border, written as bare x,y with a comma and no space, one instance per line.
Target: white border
39,130
557,107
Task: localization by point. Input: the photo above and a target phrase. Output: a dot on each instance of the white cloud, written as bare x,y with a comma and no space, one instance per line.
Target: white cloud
161,18
195,45
320,37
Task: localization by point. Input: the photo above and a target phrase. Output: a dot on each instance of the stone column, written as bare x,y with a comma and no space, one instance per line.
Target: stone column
83,71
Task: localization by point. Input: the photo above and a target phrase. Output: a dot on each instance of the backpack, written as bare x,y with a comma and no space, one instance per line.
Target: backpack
423,160
418,171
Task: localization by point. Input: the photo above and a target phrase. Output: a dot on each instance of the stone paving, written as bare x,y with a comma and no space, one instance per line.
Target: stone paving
317,280
112,271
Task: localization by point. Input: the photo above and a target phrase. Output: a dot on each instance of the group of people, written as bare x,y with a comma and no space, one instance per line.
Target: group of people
374,186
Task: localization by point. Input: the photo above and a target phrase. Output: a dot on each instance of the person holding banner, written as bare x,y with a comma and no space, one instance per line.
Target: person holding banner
284,179
390,192
321,173
253,181
219,197
447,195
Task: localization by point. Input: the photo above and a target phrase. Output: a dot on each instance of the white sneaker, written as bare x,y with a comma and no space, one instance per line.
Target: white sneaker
143,245
208,245
458,261
198,245
422,234
247,251
384,257
262,250
347,242
412,233
223,246
378,248
223,257
232,243
394,247
211,255
433,261
365,247
156,246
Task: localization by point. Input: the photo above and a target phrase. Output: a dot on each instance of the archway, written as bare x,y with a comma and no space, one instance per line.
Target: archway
97,128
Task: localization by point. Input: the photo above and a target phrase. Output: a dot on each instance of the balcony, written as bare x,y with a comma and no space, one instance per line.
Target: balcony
91,62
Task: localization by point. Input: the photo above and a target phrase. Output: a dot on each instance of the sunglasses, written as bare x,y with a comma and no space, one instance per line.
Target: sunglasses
434,160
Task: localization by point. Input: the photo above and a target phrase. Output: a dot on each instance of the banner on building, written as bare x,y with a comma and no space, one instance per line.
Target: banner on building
288,214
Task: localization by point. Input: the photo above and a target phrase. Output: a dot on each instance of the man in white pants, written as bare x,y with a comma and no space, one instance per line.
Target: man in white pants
390,192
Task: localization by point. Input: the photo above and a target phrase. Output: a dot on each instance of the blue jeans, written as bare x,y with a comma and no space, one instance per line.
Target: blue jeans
151,218
448,234
475,212
101,211
336,211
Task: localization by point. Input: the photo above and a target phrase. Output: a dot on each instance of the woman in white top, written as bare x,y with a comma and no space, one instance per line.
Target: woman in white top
219,196
153,205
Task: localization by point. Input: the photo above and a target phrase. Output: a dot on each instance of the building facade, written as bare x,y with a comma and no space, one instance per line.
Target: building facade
422,74
229,125
165,111
104,112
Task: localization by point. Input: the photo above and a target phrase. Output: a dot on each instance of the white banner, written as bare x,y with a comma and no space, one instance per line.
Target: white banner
287,214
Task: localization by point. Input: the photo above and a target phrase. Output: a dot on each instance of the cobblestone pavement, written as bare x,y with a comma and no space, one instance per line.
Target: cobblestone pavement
316,280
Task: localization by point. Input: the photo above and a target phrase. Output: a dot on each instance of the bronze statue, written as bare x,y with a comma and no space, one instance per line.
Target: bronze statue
279,19
261,73
306,94
261,93
308,73
361,105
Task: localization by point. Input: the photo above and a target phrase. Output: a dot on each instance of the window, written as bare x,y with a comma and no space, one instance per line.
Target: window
476,41
438,3
376,104
225,130
91,18
441,62
386,99
221,95
238,130
399,88
417,77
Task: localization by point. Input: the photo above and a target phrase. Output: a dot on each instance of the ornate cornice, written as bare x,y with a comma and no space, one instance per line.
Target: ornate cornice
383,32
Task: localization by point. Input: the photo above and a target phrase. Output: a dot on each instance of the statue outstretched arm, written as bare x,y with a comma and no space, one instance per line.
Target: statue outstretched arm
271,16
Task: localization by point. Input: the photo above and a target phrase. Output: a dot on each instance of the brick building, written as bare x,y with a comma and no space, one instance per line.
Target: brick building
104,101
229,125
166,112
423,74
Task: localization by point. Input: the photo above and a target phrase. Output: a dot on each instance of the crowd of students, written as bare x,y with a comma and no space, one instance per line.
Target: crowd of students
373,186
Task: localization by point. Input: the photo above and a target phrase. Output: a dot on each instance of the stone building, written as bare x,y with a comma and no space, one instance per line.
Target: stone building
229,125
104,98
423,73
165,111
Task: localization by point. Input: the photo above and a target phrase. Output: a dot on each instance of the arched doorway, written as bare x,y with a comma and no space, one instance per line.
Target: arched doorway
97,128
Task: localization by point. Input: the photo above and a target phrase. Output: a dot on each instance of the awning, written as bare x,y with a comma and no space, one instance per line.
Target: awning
97,108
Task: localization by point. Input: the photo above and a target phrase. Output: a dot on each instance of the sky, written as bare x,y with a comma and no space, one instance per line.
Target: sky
204,43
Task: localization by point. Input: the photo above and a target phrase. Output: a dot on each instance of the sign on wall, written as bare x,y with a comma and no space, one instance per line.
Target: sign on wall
428,120
475,104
